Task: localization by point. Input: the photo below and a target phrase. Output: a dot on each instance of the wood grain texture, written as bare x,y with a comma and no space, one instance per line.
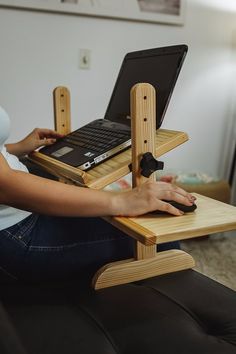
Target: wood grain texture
143,128
105,173
211,216
143,138
131,270
131,227
59,169
62,110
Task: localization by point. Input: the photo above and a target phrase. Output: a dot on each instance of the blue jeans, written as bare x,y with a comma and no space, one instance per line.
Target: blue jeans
42,248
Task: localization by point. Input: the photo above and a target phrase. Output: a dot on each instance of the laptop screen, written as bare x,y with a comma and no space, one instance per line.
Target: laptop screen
160,67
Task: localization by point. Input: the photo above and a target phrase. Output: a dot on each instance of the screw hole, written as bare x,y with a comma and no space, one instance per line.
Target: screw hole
144,97
145,119
62,95
63,110
145,141
63,125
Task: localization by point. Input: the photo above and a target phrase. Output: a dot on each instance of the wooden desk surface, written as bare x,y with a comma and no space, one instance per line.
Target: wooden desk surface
211,216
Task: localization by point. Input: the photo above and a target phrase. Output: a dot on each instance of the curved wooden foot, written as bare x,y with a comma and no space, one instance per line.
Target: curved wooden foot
130,270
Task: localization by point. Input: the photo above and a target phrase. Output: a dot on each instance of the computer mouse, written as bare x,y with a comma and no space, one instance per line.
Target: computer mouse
182,207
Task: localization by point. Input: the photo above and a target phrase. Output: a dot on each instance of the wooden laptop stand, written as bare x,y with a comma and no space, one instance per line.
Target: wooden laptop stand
110,170
148,230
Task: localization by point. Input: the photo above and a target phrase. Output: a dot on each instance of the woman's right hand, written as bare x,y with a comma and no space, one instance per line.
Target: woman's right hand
149,197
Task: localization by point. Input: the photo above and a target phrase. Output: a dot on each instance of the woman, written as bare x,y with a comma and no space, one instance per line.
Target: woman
50,230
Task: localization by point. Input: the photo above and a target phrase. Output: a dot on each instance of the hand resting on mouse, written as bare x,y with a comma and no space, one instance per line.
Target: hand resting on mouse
182,207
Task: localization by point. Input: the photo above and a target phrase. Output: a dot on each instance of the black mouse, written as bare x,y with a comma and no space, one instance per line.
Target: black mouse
182,207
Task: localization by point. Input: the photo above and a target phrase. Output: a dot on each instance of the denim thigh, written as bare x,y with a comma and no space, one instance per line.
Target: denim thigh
54,248
46,247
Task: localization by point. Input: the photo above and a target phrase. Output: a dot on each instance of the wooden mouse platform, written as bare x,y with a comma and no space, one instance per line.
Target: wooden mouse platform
149,230
210,217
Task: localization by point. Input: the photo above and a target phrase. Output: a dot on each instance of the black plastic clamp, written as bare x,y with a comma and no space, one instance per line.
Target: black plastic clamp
149,164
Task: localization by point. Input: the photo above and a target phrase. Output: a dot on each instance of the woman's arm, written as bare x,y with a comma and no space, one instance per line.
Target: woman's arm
25,191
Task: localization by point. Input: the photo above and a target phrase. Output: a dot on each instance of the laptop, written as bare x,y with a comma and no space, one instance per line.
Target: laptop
100,139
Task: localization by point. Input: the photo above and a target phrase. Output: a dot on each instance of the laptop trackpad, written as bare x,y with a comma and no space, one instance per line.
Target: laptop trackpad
62,151
73,156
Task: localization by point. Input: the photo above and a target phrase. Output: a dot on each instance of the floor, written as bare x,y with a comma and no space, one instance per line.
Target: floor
215,256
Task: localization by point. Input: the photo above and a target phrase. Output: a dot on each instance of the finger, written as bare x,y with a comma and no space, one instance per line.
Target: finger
46,142
168,208
49,133
168,196
174,194
167,178
172,189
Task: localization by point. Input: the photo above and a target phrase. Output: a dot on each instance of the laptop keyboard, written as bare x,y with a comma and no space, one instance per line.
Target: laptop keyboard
97,139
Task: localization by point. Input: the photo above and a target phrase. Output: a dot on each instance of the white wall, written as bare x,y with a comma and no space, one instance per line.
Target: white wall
39,51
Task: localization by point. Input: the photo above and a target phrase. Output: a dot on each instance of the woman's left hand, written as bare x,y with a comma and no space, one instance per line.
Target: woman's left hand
37,138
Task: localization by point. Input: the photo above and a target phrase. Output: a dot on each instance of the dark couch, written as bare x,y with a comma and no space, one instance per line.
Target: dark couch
183,312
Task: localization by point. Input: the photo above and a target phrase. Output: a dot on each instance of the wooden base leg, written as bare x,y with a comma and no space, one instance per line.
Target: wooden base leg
131,270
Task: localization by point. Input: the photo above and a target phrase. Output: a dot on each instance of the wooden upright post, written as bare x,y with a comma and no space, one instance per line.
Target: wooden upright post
143,137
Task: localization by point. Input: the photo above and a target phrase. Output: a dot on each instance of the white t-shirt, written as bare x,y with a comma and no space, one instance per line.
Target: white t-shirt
8,215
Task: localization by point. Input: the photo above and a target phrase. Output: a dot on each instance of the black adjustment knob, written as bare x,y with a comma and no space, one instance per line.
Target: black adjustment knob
149,164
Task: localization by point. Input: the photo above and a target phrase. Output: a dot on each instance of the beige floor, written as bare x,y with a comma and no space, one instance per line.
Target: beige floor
215,257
